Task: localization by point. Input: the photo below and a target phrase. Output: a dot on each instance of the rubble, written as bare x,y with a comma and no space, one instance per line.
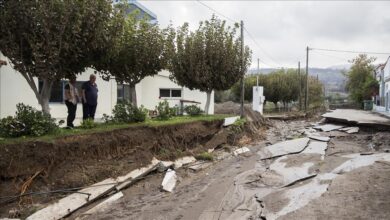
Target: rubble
241,151
169,181
183,161
319,138
328,127
230,120
283,148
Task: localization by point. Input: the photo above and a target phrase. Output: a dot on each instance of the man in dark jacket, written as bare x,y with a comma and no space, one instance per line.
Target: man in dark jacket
90,95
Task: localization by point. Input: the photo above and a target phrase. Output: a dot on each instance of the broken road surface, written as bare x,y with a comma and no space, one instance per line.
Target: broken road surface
303,178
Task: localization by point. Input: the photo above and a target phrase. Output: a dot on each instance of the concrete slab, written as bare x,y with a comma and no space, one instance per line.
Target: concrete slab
183,161
359,117
316,147
241,151
169,181
328,127
230,120
319,138
200,166
103,205
283,148
291,174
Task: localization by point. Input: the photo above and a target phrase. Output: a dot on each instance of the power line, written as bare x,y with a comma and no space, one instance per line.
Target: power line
349,51
261,48
212,9
249,34
331,56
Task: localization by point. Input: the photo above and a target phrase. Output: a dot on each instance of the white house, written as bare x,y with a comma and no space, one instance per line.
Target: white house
150,91
382,74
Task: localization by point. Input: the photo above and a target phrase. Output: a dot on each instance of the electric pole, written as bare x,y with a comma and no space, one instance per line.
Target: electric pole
258,72
307,79
300,85
242,70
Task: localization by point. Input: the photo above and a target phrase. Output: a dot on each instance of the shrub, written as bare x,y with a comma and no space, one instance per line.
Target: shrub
204,156
126,112
193,110
88,124
164,111
27,122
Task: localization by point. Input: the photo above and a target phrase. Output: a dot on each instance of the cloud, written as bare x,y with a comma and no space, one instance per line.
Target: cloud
284,29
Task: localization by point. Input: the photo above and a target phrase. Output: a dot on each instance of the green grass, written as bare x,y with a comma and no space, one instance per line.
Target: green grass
103,127
205,156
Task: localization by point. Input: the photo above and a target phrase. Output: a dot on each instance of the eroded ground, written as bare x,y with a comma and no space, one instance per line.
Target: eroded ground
350,180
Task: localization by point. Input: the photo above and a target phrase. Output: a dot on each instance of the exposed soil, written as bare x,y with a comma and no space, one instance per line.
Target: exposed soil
82,160
233,187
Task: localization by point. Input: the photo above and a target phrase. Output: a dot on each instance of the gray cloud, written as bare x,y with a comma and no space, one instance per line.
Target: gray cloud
284,29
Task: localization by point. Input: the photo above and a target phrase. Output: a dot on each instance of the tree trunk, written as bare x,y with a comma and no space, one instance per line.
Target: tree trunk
206,108
133,95
42,96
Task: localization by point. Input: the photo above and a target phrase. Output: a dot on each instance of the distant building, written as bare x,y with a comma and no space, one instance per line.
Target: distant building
151,90
143,11
382,75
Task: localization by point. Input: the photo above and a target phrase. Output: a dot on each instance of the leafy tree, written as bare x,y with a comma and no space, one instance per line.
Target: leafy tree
209,58
360,82
136,50
316,92
51,40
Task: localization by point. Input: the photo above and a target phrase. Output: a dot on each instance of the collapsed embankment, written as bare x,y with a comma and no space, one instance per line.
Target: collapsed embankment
81,160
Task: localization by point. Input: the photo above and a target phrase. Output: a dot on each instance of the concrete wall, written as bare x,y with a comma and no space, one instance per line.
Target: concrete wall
15,89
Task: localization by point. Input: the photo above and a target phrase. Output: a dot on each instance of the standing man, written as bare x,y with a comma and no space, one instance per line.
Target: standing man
71,98
90,95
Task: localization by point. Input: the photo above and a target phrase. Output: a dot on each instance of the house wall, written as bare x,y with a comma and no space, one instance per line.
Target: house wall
150,90
15,89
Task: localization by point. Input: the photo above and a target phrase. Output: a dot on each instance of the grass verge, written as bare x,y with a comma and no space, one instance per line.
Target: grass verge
103,127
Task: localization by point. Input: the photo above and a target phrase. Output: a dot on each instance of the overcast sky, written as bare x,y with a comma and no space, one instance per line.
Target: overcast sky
284,29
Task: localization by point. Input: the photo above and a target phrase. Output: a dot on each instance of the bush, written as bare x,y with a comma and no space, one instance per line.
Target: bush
27,122
126,112
193,110
204,156
164,111
88,124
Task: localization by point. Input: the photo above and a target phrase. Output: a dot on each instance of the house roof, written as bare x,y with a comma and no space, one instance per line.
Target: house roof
136,5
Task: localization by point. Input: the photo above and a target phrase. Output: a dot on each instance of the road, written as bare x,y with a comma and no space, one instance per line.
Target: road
348,181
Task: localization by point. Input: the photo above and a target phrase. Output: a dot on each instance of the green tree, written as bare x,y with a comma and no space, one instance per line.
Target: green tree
137,49
360,82
316,91
51,40
209,58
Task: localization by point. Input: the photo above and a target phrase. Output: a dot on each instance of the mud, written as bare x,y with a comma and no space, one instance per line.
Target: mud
82,160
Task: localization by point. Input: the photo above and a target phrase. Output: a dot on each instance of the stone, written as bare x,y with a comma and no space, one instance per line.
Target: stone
230,120
169,181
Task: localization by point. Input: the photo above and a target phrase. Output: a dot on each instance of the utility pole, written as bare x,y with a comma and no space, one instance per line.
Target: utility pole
242,70
300,85
258,72
307,79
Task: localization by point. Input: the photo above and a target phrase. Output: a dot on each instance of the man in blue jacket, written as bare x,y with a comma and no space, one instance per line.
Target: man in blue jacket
90,95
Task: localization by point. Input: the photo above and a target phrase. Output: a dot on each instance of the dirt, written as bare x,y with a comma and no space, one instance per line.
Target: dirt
234,188
82,160
361,194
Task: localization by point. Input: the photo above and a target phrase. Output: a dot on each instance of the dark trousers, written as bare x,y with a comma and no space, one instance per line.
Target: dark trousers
89,111
71,113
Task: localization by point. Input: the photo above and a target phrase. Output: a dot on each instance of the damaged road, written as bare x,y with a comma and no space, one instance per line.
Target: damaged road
318,175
